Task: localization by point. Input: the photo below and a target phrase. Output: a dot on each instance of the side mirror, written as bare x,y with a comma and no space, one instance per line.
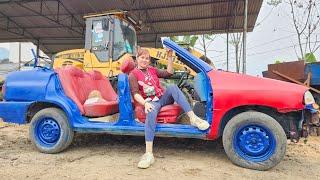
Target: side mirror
105,24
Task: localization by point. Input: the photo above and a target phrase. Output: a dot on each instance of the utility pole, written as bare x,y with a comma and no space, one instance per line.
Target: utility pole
19,63
228,49
155,41
38,48
244,40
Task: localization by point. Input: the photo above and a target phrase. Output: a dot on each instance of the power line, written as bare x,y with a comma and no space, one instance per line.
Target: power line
261,44
279,49
284,48
258,24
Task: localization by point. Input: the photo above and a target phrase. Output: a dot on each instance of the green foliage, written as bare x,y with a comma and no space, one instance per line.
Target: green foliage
209,37
174,38
274,2
188,40
193,41
310,58
277,62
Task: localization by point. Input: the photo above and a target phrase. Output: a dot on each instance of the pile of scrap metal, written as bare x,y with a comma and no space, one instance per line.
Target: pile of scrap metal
314,124
306,74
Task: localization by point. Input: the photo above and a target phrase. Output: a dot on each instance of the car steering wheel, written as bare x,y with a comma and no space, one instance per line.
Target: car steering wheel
42,67
112,79
184,77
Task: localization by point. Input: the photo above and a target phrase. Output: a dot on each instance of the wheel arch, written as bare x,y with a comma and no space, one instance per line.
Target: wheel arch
281,118
38,106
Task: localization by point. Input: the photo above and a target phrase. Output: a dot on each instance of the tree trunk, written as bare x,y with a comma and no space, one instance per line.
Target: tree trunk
300,45
204,46
237,57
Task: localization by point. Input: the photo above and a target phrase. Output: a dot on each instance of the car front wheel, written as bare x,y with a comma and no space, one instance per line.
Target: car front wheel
254,140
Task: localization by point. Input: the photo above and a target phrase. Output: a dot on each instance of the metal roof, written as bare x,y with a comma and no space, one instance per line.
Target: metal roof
59,24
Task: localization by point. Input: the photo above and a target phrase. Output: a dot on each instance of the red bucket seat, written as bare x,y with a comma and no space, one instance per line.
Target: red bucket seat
167,114
78,84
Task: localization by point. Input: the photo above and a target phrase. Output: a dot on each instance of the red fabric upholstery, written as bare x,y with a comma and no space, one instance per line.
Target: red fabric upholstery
167,114
77,85
103,85
127,66
101,108
70,78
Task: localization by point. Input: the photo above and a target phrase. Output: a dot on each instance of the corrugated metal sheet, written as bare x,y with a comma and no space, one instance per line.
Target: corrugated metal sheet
35,19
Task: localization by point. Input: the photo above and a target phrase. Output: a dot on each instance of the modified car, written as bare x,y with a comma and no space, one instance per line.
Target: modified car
254,116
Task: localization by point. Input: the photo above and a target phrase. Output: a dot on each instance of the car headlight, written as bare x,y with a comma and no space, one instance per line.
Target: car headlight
308,98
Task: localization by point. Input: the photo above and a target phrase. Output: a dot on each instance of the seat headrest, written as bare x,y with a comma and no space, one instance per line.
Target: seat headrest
96,75
127,65
71,70
75,71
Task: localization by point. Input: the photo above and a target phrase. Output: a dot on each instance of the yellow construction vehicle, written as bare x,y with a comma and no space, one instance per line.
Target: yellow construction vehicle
110,38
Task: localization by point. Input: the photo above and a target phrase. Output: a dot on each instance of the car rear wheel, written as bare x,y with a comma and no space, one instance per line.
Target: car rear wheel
50,131
254,140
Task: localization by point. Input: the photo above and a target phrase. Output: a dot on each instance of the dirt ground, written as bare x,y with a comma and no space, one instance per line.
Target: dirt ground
114,157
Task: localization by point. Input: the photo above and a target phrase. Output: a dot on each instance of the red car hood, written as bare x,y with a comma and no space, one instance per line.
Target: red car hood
232,90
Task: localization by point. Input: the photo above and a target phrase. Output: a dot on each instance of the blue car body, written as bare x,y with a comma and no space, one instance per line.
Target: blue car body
26,89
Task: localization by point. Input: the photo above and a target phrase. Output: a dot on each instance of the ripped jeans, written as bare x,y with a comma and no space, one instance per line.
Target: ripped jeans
172,94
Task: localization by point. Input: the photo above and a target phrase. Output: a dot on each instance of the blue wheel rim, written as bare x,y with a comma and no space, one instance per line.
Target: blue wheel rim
47,131
254,143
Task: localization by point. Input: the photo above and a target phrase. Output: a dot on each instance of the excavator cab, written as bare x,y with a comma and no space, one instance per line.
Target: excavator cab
109,37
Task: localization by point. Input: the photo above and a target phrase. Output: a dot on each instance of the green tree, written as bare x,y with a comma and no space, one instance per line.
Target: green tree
236,41
277,62
204,43
305,19
185,41
310,58
274,2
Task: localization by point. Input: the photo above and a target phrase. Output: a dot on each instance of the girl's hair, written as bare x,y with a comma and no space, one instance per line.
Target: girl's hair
141,51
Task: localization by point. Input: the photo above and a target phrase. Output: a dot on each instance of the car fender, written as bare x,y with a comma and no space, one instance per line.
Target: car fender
231,90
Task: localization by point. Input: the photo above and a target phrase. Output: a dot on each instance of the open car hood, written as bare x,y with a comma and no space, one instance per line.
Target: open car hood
187,57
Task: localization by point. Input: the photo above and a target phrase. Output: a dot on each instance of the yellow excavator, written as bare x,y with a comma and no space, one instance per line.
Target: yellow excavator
110,38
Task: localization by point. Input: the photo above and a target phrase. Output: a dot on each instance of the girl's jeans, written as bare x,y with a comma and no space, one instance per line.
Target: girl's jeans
171,95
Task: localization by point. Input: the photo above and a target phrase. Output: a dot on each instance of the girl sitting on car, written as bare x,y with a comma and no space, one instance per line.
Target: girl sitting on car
146,90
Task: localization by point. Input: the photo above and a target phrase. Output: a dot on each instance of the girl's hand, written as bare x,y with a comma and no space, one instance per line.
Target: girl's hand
169,53
148,107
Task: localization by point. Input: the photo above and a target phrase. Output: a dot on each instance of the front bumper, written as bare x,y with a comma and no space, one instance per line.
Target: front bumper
311,120
305,126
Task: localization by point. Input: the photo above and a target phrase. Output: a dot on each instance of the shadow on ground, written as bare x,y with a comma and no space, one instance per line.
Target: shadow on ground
160,143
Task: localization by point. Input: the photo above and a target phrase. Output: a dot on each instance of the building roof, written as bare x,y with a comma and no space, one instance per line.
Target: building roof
59,24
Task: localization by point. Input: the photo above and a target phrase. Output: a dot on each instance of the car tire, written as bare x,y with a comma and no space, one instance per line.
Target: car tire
254,140
50,131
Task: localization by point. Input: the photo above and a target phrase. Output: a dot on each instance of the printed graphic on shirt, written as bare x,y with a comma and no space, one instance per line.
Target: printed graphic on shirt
149,91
